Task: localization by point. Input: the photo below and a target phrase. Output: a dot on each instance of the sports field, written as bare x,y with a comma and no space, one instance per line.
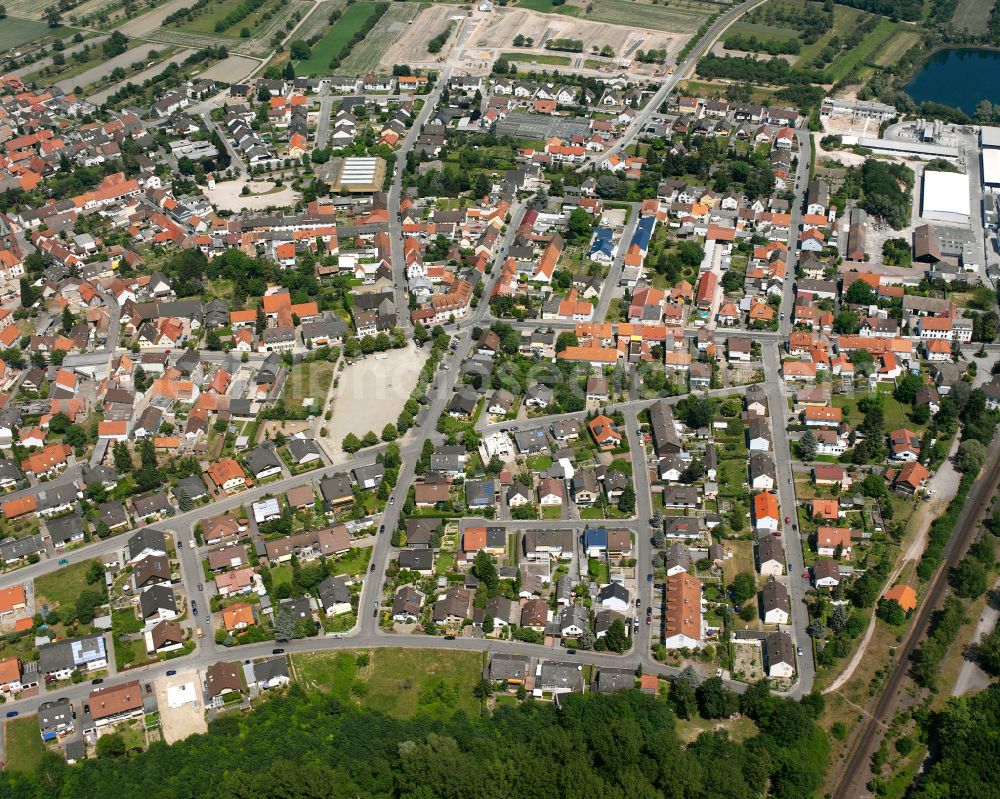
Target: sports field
537,58
351,21
15,31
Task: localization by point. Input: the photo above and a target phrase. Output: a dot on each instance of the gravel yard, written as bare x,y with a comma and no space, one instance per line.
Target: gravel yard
177,723
227,195
372,392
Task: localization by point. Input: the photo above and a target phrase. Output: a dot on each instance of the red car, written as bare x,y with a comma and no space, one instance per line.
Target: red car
805,575
787,519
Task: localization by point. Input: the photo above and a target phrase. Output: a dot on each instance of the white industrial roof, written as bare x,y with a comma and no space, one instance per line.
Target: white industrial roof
991,166
946,197
915,148
990,136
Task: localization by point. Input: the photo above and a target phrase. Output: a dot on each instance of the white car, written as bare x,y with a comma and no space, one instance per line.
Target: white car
193,544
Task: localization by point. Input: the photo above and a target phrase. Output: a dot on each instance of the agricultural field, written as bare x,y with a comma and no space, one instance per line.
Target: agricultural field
351,21
676,18
900,42
199,32
843,65
971,16
378,43
537,58
206,23
844,20
549,7
14,32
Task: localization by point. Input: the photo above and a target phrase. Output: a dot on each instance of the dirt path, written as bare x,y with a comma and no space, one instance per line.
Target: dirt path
944,483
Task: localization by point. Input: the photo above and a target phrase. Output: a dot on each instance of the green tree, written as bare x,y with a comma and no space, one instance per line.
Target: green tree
808,446
389,433
891,612
714,700
616,637
970,457
350,444
284,625
744,586
969,578
484,568
626,502
111,745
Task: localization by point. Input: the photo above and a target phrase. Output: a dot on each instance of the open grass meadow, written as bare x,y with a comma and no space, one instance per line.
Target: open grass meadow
308,380
62,587
23,746
15,31
398,682
351,21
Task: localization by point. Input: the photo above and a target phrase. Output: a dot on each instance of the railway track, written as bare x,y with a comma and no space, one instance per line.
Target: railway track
856,770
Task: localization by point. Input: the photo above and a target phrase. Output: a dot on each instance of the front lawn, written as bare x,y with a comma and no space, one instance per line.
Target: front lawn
354,562
398,682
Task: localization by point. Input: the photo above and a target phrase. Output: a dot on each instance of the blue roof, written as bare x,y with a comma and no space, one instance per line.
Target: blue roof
595,537
644,232
603,241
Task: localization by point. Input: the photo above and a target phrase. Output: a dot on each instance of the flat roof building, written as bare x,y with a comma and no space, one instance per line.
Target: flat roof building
945,197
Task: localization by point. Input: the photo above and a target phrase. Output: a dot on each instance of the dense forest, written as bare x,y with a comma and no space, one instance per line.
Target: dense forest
965,749
311,745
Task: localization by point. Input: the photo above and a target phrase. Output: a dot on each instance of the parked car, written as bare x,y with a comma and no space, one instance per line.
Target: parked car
805,574
11,714
194,608
201,587
97,681
63,561
171,672
788,519
649,578
277,651
372,568
798,651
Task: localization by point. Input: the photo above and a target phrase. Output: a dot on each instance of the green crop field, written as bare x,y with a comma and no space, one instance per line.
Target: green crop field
14,32
972,15
538,58
672,18
387,31
351,21
763,32
549,7
843,65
